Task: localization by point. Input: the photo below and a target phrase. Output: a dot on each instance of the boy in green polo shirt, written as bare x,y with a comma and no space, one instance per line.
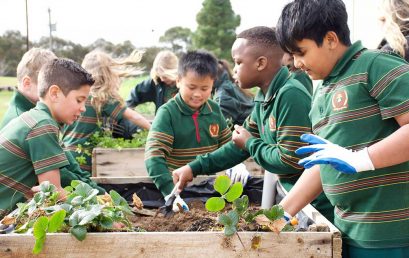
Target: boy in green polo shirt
188,125
30,152
362,105
280,116
25,98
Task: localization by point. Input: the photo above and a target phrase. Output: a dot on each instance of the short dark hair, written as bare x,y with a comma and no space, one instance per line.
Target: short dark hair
202,62
65,73
312,19
260,36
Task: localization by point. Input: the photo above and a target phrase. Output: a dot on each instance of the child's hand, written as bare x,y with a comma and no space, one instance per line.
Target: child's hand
182,175
240,136
325,152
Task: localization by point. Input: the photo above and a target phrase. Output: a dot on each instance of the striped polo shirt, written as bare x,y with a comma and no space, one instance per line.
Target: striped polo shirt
89,123
178,134
29,146
355,107
278,120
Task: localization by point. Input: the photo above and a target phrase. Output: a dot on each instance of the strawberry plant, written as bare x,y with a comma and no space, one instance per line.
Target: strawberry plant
81,212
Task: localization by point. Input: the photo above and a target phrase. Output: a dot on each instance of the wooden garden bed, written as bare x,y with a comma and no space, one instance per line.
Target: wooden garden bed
130,162
181,244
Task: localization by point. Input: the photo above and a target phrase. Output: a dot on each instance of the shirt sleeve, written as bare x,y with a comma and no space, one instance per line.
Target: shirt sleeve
114,110
159,145
141,93
44,149
389,78
289,120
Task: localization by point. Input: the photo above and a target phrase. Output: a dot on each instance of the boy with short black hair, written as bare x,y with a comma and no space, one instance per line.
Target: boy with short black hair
30,152
362,105
280,115
25,98
188,125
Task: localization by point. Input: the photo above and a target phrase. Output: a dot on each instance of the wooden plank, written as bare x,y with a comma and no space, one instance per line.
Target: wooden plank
172,244
118,163
107,162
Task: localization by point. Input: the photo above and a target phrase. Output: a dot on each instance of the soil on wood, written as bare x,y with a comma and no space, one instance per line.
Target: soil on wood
196,219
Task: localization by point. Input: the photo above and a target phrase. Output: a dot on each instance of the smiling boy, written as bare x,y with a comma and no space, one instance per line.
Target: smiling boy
361,109
189,124
30,152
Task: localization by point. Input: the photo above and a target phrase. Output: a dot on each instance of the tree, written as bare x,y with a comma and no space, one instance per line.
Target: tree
148,57
12,49
216,30
179,38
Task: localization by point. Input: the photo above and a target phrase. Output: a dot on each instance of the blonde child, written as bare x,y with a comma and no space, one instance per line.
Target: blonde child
104,106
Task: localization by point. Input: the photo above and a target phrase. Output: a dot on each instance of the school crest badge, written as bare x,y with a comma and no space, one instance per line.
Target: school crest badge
272,123
340,100
214,130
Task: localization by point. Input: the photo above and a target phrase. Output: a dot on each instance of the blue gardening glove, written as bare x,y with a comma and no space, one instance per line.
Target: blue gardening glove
325,152
238,173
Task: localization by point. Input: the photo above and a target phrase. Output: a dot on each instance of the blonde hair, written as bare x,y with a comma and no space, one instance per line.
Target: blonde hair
107,73
31,63
166,65
395,18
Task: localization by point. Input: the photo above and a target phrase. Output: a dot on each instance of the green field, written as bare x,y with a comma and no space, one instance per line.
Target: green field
126,86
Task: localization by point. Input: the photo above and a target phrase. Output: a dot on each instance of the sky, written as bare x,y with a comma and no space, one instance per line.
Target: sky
144,21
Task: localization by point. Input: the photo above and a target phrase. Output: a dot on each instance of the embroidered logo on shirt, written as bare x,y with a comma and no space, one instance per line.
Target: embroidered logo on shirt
272,122
340,100
214,130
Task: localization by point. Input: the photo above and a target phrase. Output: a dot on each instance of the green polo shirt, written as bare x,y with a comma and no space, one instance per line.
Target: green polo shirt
278,120
355,107
175,138
20,104
305,80
89,123
29,146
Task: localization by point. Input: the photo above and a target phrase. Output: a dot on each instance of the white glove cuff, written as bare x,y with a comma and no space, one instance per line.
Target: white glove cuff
365,162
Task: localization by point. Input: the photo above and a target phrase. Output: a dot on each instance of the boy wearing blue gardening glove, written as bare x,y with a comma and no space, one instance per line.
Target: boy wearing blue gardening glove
361,109
271,133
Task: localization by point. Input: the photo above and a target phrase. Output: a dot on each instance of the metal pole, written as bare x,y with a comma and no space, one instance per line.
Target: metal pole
27,41
49,24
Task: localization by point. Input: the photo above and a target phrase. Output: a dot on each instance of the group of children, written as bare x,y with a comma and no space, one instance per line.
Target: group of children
356,174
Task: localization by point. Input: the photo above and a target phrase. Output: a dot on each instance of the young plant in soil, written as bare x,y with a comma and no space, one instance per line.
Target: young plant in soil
82,212
272,219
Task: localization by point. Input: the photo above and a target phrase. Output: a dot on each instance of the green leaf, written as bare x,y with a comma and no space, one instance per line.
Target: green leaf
74,183
106,222
215,204
56,221
230,230
222,184
234,192
241,204
250,217
68,188
234,216
39,232
45,186
77,200
79,232
117,199
276,212
224,220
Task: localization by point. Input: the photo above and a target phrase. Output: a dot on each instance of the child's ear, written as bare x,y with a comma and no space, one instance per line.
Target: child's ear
26,81
54,93
261,63
178,82
332,39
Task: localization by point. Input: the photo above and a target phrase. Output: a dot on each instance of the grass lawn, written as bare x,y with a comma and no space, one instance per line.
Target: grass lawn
126,86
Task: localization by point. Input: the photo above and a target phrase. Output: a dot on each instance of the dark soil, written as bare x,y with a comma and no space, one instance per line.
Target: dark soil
196,219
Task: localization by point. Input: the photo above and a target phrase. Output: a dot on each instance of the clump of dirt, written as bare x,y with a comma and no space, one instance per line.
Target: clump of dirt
196,219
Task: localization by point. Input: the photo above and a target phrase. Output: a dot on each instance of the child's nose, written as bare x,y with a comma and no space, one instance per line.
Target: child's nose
82,108
297,63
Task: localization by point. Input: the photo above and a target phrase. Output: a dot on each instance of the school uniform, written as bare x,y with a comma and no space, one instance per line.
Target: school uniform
178,134
89,123
235,105
355,107
29,146
278,120
305,80
20,104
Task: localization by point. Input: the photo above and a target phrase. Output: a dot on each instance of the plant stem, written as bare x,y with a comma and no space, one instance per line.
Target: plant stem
240,240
